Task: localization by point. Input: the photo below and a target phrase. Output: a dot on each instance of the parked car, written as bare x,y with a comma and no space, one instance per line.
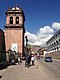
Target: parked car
48,59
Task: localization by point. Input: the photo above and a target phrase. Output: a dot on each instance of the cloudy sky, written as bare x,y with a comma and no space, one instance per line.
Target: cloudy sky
43,34
42,18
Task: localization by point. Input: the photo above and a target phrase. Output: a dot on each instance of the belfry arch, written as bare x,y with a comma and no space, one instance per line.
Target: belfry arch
11,20
17,20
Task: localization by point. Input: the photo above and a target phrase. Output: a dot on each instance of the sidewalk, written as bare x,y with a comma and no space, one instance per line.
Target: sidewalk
20,72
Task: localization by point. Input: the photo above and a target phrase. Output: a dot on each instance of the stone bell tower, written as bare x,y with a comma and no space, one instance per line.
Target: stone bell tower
14,29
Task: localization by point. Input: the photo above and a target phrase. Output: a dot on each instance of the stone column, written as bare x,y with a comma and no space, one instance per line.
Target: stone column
20,20
7,20
14,20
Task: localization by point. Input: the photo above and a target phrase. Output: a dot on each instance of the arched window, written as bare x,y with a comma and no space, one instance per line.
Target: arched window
17,20
11,20
57,42
54,44
57,48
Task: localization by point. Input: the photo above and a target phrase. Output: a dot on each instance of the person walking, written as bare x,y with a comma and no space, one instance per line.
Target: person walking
27,60
19,59
33,59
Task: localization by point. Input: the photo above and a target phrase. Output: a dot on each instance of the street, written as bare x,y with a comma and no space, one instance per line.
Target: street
41,71
52,68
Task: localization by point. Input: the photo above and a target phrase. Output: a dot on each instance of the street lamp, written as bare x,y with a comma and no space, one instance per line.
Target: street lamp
26,40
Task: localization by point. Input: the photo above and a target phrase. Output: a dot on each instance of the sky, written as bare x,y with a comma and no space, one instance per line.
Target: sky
42,18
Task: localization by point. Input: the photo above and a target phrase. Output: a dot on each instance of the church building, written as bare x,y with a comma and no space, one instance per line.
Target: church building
14,30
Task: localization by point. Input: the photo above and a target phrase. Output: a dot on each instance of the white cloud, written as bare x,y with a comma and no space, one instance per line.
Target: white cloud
31,37
56,25
41,37
45,31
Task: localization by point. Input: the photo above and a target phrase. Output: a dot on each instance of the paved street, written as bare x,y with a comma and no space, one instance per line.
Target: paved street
52,68
38,72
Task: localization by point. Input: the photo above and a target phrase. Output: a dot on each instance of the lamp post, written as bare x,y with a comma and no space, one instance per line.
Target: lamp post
26,40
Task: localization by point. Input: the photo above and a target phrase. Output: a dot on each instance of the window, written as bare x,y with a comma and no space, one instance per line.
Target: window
58,33
59,39
17,20
57,42
54,44
57,48
11,20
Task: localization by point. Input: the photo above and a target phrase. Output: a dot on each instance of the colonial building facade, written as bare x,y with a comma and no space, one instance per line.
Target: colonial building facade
53,44
14,30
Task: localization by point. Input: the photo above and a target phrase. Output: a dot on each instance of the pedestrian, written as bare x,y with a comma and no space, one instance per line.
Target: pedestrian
27,60
19,59
33,59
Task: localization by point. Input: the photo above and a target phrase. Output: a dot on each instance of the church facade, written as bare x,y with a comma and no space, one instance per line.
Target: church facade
14,30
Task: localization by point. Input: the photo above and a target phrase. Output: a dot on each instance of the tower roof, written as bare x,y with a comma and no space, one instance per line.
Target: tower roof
15,8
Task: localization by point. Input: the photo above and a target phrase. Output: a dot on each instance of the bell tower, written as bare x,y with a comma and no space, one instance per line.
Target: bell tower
14,29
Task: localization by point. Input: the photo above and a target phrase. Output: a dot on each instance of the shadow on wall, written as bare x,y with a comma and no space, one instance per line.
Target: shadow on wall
2,47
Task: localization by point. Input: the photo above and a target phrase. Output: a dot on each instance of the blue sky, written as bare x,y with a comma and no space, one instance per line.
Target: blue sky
40,15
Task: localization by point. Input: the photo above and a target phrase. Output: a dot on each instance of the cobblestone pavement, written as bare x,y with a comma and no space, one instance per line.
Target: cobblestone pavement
20,72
